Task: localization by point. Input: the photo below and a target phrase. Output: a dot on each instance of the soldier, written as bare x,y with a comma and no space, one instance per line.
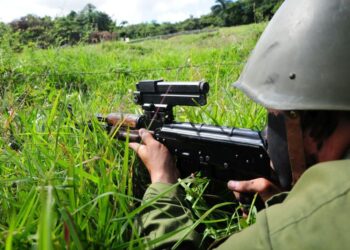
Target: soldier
299,72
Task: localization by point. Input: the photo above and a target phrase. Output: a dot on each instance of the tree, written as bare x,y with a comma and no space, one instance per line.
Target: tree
190,24
68,30
89,11
33,30
103,22
220,9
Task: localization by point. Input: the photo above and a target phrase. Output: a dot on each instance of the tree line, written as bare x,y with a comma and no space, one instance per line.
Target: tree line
91,25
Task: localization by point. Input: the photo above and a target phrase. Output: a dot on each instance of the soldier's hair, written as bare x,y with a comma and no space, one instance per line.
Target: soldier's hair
321,124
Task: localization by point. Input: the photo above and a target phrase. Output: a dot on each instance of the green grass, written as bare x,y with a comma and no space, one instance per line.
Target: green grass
63,185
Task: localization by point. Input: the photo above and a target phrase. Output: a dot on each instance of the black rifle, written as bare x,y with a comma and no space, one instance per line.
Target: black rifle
220,153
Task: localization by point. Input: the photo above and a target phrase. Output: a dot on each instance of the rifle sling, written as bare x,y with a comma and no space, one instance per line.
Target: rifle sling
295,145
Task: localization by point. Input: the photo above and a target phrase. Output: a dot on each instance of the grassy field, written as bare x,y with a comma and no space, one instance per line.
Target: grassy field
65,186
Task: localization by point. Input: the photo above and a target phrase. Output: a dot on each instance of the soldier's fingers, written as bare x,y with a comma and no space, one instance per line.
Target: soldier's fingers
146,137
135,146
252,186
237,195
239,186
262,186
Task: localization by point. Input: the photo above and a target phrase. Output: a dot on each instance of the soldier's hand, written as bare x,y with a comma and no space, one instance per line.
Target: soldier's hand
262,186
156,157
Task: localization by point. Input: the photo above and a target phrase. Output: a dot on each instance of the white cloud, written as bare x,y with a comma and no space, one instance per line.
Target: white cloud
14,9
133,11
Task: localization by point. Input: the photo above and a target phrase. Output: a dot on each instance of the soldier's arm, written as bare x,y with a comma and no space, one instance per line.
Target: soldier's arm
166,220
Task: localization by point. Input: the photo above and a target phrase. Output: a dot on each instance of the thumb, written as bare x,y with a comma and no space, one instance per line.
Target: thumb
242,186
262,186
259,185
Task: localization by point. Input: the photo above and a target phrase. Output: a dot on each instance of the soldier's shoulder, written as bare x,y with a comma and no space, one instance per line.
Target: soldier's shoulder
315,211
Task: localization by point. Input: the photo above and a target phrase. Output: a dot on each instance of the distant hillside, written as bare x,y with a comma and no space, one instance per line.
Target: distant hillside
92,26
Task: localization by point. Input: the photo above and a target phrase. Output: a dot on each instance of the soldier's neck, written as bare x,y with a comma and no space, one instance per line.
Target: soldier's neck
337,145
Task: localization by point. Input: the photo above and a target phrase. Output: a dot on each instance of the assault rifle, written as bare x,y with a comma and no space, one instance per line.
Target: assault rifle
220,153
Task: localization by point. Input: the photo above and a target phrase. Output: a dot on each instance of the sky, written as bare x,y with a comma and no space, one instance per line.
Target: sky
133,11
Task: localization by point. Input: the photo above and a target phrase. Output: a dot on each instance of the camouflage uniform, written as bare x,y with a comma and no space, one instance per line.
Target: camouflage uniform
313,216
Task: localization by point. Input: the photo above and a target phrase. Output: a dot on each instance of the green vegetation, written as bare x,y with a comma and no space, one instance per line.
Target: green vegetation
63,185
91,25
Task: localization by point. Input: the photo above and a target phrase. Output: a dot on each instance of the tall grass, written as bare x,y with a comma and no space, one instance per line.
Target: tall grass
63,185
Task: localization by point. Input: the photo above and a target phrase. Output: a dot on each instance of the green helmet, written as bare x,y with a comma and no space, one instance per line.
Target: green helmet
302,60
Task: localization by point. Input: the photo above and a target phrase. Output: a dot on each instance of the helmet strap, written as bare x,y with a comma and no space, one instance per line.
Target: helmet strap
295,145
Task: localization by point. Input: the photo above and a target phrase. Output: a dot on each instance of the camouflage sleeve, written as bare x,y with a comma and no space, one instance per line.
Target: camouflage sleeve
165,220
254,237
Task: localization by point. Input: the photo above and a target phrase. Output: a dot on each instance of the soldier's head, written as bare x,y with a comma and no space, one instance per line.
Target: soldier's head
299,72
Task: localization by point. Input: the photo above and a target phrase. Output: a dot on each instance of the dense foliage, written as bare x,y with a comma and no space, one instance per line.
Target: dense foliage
224,13
70,29
65,186
91,25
